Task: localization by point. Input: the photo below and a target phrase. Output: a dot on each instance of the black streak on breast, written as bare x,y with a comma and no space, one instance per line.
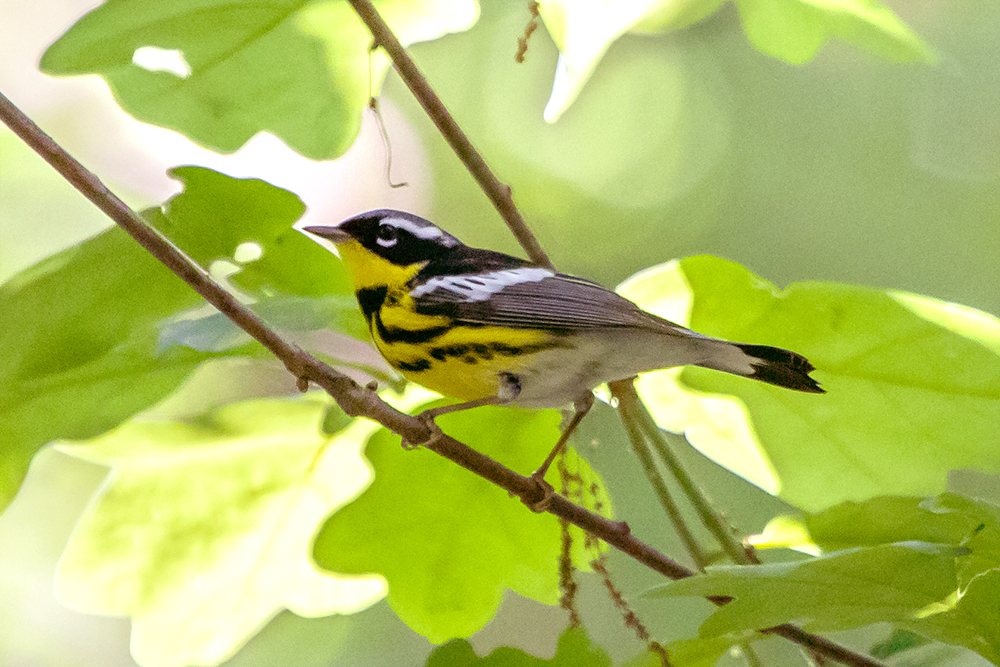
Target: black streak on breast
371,299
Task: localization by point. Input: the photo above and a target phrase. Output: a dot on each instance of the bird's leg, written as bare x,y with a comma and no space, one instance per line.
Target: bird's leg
581,407
509,390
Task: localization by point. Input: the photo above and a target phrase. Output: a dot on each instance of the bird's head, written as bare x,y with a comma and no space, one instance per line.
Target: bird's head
386,246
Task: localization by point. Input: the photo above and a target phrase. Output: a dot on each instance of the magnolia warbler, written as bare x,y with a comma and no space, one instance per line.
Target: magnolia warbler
489,328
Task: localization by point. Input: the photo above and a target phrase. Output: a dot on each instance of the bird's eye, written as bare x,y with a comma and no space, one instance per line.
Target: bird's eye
387,236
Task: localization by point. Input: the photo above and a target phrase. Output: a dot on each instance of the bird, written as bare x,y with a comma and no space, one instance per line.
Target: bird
488,328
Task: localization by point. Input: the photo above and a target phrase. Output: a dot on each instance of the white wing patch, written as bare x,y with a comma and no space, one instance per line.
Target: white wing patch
481,286
428,231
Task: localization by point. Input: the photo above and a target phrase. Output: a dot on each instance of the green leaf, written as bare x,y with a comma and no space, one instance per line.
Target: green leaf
575,649
79,334
975,620
931,566
947,519
907,399
216,214
901,640
841,591
89,334
584,31
215,332
202,530
699,652
335,420
448,542
296,68
794,30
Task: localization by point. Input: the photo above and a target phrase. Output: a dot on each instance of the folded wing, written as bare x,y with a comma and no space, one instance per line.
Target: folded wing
533,298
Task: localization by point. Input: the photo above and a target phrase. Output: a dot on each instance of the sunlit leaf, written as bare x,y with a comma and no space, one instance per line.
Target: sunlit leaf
785,532
202,530
87,334
937,589
448,542
794,30
975,620
299,69
907,399
844,590
945,519
584,31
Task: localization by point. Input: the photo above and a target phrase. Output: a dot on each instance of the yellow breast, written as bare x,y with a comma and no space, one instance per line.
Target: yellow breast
465,362
458,361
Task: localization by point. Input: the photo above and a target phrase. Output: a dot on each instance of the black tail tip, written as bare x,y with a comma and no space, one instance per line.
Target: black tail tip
783,368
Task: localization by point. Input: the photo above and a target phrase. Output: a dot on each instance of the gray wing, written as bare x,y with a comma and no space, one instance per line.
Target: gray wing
533,298
530,297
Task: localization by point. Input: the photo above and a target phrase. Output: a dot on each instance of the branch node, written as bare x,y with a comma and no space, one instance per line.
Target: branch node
539,499
434,434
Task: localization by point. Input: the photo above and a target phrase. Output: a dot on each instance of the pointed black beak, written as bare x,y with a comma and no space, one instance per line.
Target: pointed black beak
335,234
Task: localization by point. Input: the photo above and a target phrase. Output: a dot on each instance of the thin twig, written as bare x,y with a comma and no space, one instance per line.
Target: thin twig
632,407
567,572
361,401
498,192
522,41
629,616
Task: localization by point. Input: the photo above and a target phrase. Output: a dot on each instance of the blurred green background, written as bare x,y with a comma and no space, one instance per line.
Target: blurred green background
847,168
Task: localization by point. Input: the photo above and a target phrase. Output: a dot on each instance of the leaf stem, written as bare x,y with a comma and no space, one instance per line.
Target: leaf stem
630,404
498,193
641,446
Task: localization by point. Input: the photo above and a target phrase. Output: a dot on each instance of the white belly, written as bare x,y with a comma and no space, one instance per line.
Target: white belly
559,376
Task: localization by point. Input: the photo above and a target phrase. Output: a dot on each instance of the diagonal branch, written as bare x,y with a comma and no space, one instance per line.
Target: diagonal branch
352,397
498,193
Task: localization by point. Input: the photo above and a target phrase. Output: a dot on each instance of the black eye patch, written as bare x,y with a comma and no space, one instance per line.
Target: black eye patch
387,236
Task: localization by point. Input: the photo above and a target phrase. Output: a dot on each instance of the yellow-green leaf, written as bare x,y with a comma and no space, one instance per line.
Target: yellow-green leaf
911,394
202,530
448,542
224,71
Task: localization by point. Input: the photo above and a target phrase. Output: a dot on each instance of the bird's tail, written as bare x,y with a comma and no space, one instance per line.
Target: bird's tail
773,365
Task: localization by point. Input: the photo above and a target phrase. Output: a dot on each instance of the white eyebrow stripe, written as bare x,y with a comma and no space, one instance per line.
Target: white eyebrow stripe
481,286
421,232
